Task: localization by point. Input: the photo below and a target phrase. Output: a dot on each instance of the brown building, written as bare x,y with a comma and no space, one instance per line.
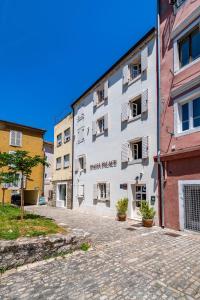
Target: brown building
14,137
180,113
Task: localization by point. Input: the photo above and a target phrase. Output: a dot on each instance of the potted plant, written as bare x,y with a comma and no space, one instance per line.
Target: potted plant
122,206
147,213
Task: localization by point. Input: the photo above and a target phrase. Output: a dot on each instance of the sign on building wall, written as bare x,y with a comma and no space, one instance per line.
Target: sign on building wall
104,165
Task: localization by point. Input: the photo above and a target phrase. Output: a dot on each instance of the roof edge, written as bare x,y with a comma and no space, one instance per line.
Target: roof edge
150,32
23,126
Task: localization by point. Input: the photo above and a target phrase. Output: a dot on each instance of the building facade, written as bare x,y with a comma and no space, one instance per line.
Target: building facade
62,166
14,137
48,171
115,131
180,113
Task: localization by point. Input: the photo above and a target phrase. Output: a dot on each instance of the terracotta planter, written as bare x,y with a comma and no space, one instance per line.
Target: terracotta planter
147,222
121,217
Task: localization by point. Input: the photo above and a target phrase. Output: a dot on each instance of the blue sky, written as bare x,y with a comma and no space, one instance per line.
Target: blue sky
51,51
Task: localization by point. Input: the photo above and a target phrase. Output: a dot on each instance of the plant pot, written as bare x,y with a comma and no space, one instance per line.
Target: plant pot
147,222
121,217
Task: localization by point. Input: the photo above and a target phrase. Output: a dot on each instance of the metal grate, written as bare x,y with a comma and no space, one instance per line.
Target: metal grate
192,206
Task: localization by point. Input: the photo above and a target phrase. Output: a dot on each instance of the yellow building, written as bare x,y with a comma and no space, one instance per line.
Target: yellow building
14,137
62,169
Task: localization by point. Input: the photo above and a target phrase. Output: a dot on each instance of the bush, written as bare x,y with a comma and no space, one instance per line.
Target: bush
146,211
122,206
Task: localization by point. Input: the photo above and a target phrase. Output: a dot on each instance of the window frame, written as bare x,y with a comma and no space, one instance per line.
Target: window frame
131,156
58,168
15,144
131,103
66,166
102,191
59,143
67,137
100,131
100,98
176,54
188,36
189,98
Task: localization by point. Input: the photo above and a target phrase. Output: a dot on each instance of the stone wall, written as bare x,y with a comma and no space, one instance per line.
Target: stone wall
28,250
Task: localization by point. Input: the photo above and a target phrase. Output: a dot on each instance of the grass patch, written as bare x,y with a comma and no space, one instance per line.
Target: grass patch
11,227
85,247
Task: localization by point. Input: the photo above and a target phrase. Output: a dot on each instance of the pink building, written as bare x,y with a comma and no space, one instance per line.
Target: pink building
180,113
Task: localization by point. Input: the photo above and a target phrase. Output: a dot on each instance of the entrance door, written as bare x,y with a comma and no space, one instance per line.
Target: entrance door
138,195
191,193
61,195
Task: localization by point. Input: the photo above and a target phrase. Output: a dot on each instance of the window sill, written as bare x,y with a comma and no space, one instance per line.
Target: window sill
66,141
189,131
100,104
132,119
100,133
79,142
187,66
15,145
66,167
134,79
133,162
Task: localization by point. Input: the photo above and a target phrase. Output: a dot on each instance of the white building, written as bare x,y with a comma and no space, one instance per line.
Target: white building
48,172
115,135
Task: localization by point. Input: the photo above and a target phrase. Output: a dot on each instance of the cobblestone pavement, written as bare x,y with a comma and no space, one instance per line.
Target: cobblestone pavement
125,262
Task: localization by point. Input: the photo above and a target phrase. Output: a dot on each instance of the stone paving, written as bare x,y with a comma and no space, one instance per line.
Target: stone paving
125,262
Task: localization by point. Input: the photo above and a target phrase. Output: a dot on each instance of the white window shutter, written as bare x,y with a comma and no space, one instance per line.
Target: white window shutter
12,137
145,101
124,112
95,192
125,152
106,122
108,191
80,190
76,165
18,138
84,162
106,89
144,59
126,74
95,98
145,147
94,128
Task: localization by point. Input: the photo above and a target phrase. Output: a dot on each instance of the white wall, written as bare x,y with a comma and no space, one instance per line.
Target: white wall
106,148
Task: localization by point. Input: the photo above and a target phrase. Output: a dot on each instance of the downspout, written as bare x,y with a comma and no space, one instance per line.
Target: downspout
161,181
72,157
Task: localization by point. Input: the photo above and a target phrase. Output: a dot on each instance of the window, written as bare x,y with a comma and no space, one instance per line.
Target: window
102,190
59,140
190,115
80,190
189,47
100,96
140,194
81,163
67,135
66,160
100,126
15,138
135,107
80,134
136,150
58,163
178,3
135,70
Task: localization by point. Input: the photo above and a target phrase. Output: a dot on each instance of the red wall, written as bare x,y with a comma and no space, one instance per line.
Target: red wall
168,80
183,169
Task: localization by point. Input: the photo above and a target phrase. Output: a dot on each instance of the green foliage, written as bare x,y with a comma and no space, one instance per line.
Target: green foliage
11,227
122,206
147,211
20,161
85,246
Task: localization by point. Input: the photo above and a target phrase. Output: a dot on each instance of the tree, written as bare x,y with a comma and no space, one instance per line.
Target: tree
19,162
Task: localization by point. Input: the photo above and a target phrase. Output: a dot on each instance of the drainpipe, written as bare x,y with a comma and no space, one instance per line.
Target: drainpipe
72,157
161,183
